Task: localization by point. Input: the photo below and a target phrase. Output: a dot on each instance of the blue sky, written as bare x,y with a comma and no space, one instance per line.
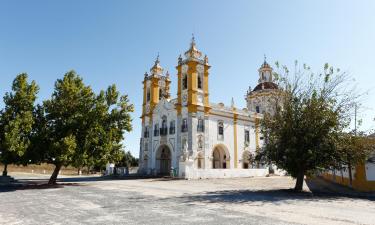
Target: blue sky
110,42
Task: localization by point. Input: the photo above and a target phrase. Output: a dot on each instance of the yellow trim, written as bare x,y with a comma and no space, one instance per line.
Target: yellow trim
235,137
257,134
192,86
179,98
230,117
206,101
359,181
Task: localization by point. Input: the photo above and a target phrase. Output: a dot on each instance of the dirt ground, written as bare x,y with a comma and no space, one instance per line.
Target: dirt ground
94,200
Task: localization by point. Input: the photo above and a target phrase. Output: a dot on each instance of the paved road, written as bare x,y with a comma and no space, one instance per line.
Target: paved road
157,201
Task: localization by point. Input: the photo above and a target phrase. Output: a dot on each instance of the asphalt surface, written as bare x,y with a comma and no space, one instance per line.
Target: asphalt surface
91,200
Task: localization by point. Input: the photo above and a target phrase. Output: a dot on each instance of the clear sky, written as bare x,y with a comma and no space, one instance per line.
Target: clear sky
110,42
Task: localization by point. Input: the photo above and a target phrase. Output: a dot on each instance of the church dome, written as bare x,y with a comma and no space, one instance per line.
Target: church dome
266,86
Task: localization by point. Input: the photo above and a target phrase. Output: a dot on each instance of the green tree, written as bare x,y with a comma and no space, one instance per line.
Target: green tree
109,119
81,128
302,133
16,120
66,122
127,160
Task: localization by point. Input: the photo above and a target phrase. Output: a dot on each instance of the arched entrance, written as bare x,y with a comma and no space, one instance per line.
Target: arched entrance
163,158
220,158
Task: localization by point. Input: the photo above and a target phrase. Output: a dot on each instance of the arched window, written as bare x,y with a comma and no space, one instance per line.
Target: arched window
184,82
184,125
172,127
156,130
164,128
199,82
164,122
247,136
146,134
200,127
220,130
257,109
160,93
148,95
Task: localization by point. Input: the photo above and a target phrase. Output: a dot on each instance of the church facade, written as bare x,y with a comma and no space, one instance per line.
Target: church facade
193,136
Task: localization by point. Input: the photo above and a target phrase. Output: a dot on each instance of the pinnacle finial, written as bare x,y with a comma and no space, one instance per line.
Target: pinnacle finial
157,59
192,38
265,58
232,102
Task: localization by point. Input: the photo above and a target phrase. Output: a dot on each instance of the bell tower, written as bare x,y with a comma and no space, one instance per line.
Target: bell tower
265,72
155,87
192,73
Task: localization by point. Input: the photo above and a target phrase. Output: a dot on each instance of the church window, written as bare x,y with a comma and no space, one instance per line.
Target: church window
247,136
184,127
172,127
164,128
257,109
160,93
184,82
146,133
148,95
200,127
156,130
199,82
220,128
146,147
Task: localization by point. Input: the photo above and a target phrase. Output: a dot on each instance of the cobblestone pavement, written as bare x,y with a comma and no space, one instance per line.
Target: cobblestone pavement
92,200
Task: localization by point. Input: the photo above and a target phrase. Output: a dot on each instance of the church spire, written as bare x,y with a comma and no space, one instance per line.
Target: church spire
193,52
156,69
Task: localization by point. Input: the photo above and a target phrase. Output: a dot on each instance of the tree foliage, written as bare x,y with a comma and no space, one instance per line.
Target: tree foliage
81,128
127,160
16,120
303,133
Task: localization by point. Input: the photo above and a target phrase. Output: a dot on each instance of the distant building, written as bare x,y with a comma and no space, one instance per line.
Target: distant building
363,174
193,136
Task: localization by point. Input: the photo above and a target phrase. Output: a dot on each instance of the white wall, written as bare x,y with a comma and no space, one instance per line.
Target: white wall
370,171
225,173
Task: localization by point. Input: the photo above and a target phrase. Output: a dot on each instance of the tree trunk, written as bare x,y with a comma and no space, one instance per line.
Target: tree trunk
5,171
300,179
55,173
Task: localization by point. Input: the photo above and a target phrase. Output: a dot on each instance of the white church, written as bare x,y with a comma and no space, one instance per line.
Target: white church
194,137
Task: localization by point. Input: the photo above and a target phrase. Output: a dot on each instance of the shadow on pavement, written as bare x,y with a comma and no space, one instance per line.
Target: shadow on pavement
30,185
264,196
42,183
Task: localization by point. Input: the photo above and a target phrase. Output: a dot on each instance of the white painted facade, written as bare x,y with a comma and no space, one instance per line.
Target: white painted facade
219,141
370,168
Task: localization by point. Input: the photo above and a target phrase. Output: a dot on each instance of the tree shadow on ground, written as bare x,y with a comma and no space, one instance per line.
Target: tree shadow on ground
32,185
42,183
275,196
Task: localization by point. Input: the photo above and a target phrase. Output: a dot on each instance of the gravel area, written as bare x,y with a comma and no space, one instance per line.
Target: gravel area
94,200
